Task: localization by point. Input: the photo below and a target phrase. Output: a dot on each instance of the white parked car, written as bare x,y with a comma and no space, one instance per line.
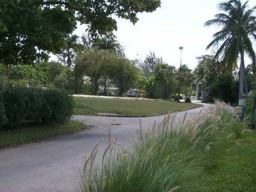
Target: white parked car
132,93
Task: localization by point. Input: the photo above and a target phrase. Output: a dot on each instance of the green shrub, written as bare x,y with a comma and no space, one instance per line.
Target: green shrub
15,105
25,105
224,88
56,106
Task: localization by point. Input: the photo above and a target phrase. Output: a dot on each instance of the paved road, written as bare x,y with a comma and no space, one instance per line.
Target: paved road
54,166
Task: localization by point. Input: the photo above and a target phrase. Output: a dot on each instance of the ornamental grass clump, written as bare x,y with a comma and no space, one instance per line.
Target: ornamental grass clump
169,157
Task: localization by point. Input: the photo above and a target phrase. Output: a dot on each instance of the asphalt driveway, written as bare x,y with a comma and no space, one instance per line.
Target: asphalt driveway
54,166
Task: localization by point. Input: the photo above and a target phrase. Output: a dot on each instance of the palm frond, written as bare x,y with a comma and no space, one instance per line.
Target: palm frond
249,49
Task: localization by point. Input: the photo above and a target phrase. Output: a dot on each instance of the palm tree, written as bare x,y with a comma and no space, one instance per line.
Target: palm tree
72,46
107,42
235,38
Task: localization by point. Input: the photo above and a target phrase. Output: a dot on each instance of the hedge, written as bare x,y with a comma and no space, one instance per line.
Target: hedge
27,105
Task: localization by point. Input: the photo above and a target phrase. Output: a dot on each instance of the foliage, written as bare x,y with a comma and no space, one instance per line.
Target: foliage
35,105
30,29
216,81
169,157
97,64
251,77
149,64
15,100
52,75
238,31
224,88
250,105
108,42
186,79
65,81
56,106
123,74
70,50
90,63
163,82
206,70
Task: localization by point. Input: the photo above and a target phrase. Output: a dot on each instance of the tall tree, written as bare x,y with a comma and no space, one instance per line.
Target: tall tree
108,42
97,63
186,79
235,38
149,64
165,83
30,29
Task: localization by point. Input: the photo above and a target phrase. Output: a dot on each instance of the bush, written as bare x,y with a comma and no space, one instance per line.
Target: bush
224,88
56,106
15,107
24,105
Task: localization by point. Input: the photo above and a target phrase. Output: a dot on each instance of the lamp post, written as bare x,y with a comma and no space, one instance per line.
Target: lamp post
181,49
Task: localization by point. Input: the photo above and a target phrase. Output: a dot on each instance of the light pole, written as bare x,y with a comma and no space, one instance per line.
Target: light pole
181,49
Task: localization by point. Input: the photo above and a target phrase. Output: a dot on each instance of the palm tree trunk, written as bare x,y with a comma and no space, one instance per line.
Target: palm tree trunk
242,81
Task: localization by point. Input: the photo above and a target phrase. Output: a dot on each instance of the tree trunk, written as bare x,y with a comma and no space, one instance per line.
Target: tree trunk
95,86
69,60
242,81
105,85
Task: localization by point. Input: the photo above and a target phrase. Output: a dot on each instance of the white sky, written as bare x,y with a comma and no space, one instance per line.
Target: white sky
176,23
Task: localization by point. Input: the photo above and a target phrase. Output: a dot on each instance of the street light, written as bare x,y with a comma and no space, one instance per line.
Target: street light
181,49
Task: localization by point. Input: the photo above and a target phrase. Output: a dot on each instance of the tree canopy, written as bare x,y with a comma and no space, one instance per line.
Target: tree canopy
97,64
30,29
235,37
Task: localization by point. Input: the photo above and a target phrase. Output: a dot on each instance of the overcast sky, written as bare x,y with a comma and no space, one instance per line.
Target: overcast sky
176,23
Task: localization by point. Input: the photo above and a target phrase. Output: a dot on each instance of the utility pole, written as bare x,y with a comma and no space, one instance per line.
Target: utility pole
181,49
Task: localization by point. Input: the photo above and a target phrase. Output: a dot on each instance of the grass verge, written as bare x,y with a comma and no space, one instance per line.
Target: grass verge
210,152
126,107
36,133
235,170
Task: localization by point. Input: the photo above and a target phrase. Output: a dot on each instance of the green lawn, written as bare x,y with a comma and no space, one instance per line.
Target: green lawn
35,133
126,107
235,170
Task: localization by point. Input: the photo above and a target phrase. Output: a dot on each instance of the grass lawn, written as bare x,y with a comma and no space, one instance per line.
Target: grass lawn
126,107
30,134
235,170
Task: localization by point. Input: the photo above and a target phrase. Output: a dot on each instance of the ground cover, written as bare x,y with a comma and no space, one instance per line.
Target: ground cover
34,133
127,107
